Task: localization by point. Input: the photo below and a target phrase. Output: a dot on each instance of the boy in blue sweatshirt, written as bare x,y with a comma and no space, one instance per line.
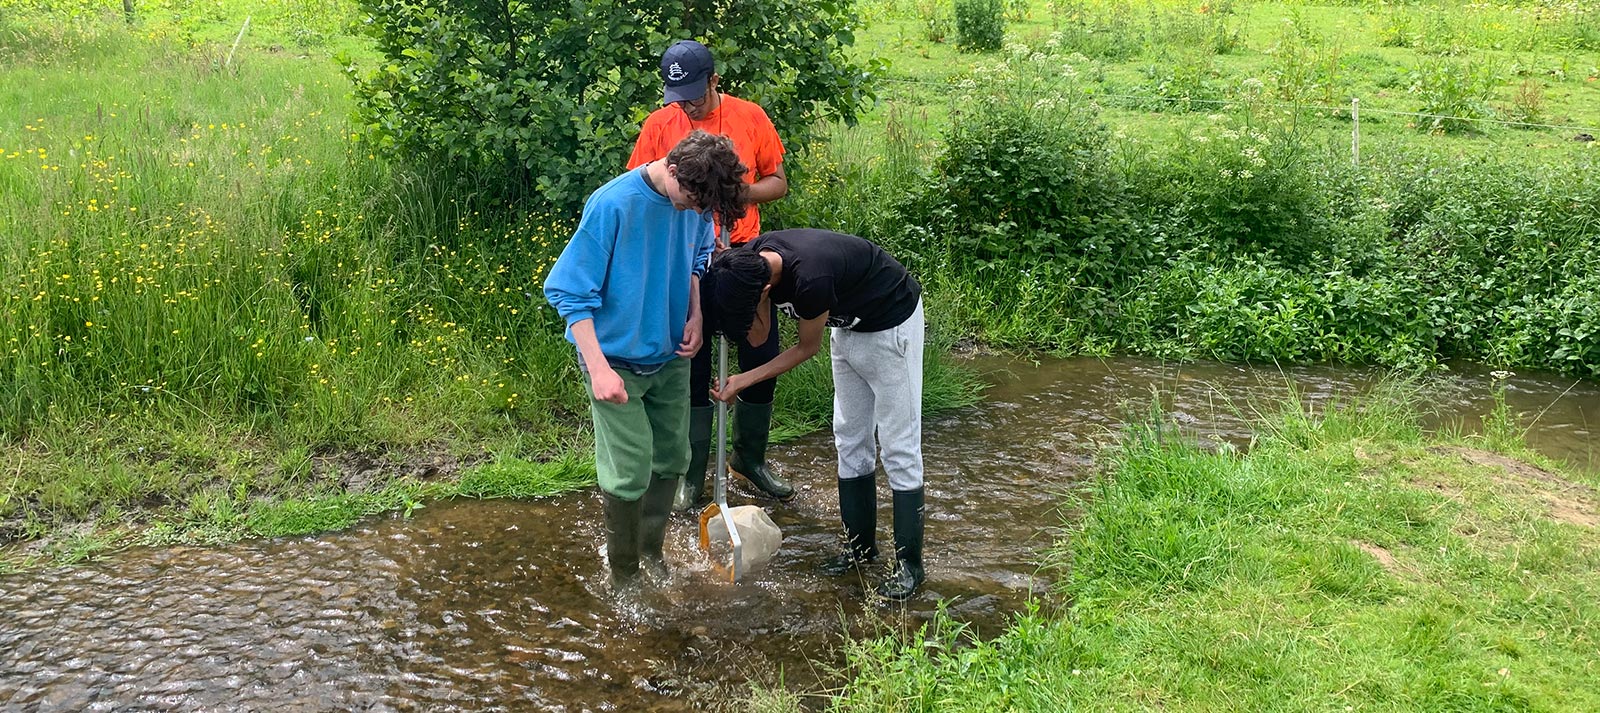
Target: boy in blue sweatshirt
628,287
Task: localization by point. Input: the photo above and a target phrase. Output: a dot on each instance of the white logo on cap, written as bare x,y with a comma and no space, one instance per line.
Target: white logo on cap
675,72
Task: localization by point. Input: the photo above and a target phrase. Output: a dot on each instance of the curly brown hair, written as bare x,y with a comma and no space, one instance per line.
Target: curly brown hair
710,172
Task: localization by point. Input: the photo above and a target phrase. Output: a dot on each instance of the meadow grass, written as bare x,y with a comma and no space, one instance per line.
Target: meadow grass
1347,561
202,269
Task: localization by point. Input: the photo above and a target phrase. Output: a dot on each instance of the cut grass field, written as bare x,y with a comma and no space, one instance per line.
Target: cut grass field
1535,63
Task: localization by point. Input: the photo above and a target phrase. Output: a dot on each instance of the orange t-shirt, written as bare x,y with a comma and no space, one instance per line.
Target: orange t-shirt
754,139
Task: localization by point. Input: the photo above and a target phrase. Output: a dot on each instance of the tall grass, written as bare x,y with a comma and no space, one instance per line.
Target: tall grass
199,259
220,241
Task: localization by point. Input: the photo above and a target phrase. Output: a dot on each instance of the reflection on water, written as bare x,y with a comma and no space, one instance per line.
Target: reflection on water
502,605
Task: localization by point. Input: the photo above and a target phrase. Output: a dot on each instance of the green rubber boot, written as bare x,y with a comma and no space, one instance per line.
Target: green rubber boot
657,506
908,573
623,521
752,425
691,487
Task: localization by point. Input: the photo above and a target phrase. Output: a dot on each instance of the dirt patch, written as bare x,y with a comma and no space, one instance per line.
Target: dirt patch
12,530
358,471
1564,500
1448,490
1382,555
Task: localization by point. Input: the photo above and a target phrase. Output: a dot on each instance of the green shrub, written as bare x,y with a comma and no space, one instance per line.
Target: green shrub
935,20
980,25
850,182
1025,183
1241,188
1500,246
1209,30
1583,28
1527,103
535,100
1250,310
1109,36
1305,67
1571,327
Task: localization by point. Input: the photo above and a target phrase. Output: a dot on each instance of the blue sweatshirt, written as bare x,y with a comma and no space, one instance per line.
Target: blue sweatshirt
627,267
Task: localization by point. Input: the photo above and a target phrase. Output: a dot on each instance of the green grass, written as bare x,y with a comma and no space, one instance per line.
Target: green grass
1347,560
1295,53
202,270
191,283
317,503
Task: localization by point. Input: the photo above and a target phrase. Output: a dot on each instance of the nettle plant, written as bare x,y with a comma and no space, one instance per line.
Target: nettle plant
1248,188
544,99
1024,176
1454,94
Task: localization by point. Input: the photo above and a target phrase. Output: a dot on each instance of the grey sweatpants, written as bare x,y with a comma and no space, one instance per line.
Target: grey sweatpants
877,386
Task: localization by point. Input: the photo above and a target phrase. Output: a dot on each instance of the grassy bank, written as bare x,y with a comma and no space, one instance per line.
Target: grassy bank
210,294
1347,562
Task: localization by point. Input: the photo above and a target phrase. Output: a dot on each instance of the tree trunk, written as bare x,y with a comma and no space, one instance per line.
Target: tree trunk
127,10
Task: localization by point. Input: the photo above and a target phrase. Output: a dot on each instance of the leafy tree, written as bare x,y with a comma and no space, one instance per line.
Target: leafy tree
544,98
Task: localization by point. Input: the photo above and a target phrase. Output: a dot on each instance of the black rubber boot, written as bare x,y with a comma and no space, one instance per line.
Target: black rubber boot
907,574
691,488
656,508
752,424
623,541
858,507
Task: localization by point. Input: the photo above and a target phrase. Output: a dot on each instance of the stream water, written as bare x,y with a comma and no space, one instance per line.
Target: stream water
502,605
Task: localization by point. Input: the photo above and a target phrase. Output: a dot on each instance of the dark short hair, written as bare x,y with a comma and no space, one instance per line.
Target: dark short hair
710,171
731,290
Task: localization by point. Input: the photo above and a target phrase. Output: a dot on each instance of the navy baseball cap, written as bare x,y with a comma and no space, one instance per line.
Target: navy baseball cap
685,67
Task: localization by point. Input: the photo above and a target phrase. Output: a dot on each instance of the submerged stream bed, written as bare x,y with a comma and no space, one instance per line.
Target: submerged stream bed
502,605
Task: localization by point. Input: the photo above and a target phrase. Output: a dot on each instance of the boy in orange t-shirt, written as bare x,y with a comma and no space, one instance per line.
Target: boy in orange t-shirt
688,73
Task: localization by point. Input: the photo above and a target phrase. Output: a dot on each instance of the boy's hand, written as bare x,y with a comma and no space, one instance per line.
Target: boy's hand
691,336
730,388
607,386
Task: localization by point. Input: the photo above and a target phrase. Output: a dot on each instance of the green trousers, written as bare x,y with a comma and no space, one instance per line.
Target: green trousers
646,437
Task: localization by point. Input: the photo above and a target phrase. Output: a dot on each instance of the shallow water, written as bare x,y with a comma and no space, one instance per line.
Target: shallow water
501,605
